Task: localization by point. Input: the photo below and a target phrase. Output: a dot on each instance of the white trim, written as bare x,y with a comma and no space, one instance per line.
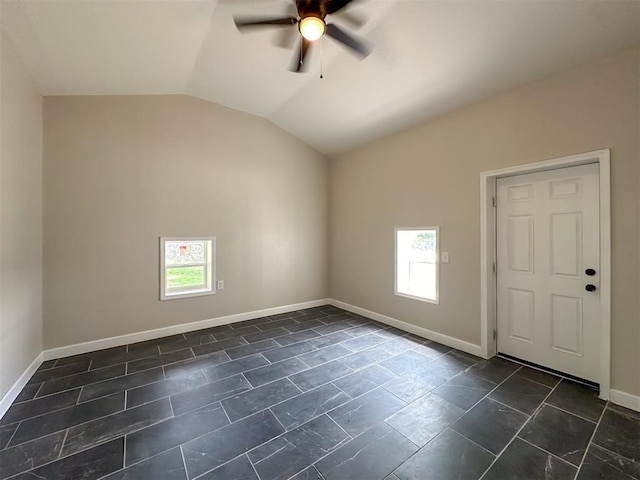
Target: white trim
172,330
487,251
408,327
209,287
625,399
17,387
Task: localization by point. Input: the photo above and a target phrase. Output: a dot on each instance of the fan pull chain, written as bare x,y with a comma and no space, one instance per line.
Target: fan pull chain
321,55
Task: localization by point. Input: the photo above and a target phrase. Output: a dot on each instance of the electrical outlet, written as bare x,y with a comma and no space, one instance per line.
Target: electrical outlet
444,257
220,284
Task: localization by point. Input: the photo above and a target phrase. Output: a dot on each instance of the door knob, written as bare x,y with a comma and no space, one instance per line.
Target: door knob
590,272
590,287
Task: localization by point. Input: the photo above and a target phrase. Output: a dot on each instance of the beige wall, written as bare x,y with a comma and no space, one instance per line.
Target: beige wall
429,175
20,220
119,172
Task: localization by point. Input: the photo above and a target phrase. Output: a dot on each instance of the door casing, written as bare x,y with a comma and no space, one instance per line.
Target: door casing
488,251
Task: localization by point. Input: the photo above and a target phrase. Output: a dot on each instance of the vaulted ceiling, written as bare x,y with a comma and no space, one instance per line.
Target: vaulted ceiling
429,56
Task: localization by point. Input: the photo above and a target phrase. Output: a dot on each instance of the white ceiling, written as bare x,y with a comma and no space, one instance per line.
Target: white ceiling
429,57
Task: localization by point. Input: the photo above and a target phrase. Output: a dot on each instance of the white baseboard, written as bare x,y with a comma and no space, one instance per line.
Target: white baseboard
408,327
93,345
625,399
17,387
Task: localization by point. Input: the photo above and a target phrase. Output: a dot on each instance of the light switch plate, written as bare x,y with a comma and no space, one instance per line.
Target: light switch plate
444,257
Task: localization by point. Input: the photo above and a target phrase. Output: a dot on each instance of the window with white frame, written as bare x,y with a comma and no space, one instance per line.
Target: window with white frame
417,263
187,267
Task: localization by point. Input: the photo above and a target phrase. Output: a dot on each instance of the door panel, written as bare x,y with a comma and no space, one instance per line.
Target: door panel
547,236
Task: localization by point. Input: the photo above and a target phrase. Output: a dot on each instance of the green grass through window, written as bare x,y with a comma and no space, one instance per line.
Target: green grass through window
185,276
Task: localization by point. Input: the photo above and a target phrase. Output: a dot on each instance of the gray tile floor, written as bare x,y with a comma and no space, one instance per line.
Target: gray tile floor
314,394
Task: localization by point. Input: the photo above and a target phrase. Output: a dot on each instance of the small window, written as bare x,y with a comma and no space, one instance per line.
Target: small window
187,267
417,263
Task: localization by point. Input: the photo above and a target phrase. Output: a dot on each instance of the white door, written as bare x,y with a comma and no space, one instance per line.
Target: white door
548,243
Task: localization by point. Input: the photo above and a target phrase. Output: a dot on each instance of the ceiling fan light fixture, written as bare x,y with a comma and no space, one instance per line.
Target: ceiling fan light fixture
312,28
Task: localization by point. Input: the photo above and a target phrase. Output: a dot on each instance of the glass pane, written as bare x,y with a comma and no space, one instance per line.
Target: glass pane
185,277
179,253
416,263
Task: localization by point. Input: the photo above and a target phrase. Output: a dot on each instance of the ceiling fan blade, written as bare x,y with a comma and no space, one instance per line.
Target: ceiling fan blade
264,22
343,37
353,19
298,61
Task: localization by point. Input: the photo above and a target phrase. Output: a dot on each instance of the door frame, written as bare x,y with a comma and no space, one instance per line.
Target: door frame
488,293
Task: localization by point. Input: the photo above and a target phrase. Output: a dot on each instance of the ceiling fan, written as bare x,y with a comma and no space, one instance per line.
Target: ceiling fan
312,25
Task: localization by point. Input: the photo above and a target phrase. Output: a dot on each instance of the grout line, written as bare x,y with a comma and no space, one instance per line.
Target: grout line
571,413
13,435
590,442
613,453
64,440
524,424
124,452
184,462
509,406
472,441
546,451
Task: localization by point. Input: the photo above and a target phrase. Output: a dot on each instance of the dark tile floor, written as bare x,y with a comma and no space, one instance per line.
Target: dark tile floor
313,394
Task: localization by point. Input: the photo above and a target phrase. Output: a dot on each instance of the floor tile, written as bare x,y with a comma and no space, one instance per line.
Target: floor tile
406,362
108,359
333,327
620,434
59,372
299,327
495,369
27,393
171,433
362,413
283,353
166,466
560,433
374,454
415,384
275,371
237,469
47,364
364,358
236,332
164,388
299,448
448,366
265,335
302,408
40,406
449,456
102,429
364,380
256,399
579,399
105,352
432,350
464,390
88,465
245,350
159,360
209,393
194,364
364,342
6,432
30,455
522,460
67,417
330,339
310,473
212,450
538,376
322,374
120,384
274,324
521,394
625,411
80,379
297,337
603,464
218,346
234,367
422,420
280,316
491,425
324,355
182,343
210,330
399,345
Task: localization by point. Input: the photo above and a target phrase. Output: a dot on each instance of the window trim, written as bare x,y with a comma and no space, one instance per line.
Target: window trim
209,267
437,264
